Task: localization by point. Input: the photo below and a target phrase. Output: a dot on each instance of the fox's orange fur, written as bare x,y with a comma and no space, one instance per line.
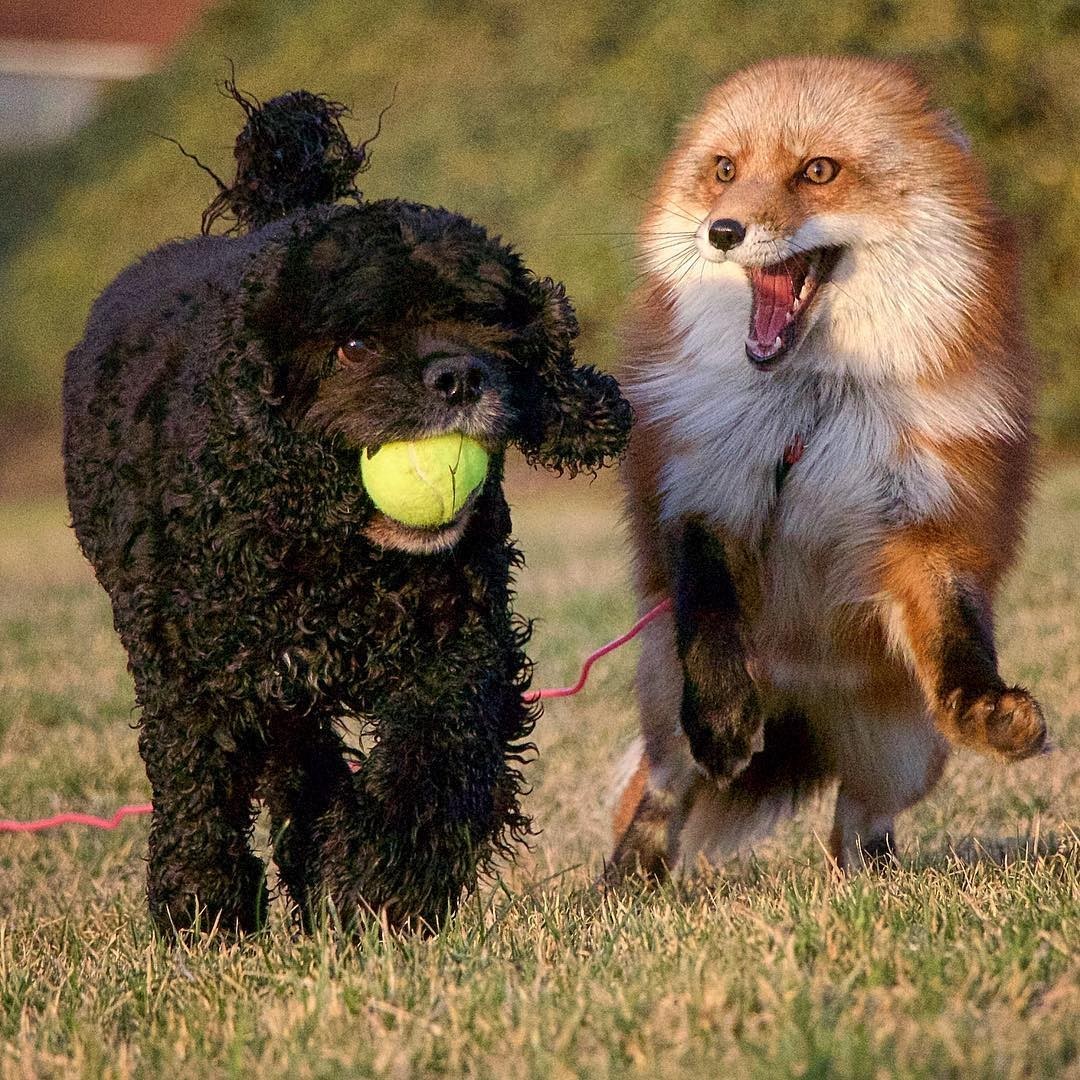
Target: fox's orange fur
856,644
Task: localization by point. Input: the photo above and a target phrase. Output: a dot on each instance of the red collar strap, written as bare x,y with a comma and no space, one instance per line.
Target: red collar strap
792,455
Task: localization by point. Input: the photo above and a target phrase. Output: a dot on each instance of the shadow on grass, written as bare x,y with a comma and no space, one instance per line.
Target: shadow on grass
1004,851
1053,852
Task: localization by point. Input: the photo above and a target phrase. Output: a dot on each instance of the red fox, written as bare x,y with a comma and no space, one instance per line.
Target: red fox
830,467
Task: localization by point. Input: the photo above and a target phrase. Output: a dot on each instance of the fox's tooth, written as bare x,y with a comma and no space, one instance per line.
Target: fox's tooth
795,306
777,343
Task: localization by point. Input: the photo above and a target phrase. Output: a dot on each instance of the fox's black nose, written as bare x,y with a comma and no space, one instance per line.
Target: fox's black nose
726,233
458,380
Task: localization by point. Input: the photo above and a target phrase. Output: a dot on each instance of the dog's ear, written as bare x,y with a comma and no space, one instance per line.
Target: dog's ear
296,287
300,288
571,417
274,324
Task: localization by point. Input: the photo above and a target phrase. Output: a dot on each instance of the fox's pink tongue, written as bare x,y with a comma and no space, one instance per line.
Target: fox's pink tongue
774,297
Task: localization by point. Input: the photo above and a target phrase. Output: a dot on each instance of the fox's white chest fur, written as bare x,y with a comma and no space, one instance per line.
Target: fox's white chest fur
814,536
730,425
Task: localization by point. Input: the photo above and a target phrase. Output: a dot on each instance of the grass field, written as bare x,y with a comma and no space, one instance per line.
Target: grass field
964,961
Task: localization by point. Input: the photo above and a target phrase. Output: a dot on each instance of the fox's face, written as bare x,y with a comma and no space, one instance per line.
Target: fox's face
829,199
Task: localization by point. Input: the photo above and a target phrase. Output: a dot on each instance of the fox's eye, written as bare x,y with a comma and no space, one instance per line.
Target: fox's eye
725,169
354,350
821,170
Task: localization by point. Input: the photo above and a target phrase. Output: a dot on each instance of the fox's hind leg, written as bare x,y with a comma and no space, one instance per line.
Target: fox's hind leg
727,819
859,833
658,771
650,812
887,763
676,815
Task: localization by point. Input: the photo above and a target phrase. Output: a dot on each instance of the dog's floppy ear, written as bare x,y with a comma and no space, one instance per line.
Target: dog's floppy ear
572,417
332,268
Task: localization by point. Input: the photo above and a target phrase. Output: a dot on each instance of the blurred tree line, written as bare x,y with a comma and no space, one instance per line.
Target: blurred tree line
546,121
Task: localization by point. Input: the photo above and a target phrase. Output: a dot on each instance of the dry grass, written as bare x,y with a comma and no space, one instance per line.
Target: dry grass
961,962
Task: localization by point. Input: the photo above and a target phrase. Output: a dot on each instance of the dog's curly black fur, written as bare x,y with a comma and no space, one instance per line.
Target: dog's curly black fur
215,412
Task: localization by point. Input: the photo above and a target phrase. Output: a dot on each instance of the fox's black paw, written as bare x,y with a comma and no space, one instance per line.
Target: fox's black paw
723,740
1015,725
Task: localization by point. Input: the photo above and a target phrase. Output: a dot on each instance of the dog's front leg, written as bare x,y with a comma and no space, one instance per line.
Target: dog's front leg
942,620
436,796
720,712
200,868
309,792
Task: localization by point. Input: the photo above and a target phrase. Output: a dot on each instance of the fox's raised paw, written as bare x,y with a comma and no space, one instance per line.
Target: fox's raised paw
1008,723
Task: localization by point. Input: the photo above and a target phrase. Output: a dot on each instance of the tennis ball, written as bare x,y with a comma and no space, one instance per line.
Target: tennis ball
425,481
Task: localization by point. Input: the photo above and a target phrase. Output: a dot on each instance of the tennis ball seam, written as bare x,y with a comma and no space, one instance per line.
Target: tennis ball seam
432,481
419,482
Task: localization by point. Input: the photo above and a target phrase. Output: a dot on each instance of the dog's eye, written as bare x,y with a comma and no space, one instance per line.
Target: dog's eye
354,351
821,170
725,169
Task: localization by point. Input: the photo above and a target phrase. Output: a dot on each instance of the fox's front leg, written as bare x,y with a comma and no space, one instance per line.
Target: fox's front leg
946,627
720,713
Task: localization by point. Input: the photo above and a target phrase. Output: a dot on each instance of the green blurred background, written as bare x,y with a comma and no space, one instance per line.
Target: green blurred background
546,121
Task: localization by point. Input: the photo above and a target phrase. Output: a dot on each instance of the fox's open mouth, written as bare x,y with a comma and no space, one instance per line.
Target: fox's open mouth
782,295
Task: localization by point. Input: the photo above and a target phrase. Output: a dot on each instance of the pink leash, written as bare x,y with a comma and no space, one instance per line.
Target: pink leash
71,818
611,646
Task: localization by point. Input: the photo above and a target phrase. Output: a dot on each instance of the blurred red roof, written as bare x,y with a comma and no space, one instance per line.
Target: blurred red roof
154,25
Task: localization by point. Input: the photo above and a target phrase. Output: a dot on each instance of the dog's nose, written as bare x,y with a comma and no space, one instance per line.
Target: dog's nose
726,233
458,380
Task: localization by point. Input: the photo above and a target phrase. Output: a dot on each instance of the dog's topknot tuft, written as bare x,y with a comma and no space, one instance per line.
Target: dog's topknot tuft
292,154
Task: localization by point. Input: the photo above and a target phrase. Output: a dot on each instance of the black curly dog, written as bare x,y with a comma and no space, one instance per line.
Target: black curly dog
215,412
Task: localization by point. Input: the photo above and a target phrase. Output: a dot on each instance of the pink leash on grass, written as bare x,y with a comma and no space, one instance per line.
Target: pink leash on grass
74,818
611,646
134,809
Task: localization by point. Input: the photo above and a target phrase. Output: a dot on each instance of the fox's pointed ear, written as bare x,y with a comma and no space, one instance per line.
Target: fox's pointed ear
571,418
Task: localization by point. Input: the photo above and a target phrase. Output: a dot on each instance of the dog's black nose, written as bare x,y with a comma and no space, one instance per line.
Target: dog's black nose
726,233
458,380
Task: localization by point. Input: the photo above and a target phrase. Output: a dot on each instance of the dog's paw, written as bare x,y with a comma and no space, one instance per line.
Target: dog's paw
1008,723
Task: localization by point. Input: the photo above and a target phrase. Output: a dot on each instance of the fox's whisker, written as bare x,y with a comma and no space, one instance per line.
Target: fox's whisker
676,210
669,266
668,281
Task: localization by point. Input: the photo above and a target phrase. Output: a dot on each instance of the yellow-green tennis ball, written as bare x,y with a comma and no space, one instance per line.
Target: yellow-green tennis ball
424,482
